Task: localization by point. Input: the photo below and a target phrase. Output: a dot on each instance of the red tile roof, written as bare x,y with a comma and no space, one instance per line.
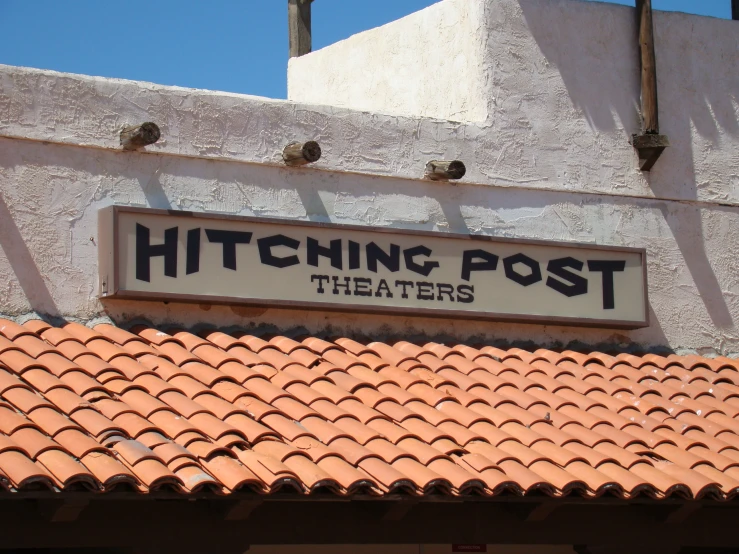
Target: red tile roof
105,408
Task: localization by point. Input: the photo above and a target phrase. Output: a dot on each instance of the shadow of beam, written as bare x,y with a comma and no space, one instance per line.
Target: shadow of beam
23,264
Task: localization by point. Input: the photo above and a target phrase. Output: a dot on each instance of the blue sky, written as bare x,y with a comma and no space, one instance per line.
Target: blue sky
230,45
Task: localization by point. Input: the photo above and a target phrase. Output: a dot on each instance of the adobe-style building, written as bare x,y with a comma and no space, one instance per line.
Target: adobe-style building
433,301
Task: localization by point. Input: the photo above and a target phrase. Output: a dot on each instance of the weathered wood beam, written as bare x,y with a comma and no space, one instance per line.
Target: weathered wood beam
649,152
437,170
134,137
648,67
298,14
301,153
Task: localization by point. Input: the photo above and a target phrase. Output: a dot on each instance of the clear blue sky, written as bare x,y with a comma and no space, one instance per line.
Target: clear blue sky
229,45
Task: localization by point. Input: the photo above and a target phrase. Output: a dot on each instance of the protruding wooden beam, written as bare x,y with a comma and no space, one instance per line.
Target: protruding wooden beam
138,136
298,14
445,170
650,148
301,153
648,67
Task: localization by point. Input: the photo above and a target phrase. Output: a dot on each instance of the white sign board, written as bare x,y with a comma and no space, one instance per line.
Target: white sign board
195,257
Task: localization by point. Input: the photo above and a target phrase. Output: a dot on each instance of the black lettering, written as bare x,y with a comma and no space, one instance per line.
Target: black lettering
360,284
579,284
425,290
229,239
347,282
411,264
333,252
404,284
489,262
534,276
607,268
265,251
354,262
145,251
320,279
192,263
445,288
376,254
383,286
465,294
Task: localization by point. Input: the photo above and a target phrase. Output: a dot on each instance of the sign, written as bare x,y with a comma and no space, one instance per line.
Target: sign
170,255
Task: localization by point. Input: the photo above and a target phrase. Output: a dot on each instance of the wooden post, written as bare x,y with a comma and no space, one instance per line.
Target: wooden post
445,170
650,143
138,136
735,10
298,153
648,67
298,14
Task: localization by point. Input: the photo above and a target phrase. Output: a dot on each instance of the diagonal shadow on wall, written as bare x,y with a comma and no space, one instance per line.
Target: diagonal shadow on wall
23,264
690,105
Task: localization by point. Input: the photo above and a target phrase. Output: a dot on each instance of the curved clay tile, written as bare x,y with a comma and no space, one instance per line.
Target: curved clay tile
67,471
394,432
422,477
57,336
22,472
411,349
349,477
81,332
33,442
393,391
729,486
631,484
194,479
244,355
330,411
374,398
389,452
232,474
311,475
319,346
285,344
36,326
461,479
458,433
34,346
476,421
526,479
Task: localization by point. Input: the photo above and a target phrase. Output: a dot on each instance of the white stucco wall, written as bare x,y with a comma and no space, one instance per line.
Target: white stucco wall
547,164
426,64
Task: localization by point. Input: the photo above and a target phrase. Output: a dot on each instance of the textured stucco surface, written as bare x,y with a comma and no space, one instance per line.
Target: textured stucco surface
427,64
547,163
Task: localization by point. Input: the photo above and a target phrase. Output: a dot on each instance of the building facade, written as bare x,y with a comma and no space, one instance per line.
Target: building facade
540,100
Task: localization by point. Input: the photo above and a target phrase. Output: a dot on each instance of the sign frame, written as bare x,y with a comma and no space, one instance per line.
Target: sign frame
109,265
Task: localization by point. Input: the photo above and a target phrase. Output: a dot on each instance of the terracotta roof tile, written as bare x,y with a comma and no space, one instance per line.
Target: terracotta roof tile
223,412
